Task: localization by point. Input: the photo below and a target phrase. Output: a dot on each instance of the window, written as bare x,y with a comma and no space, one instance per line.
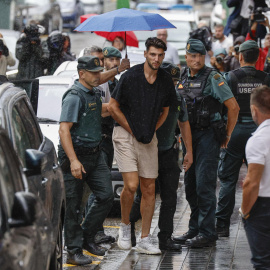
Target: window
25,130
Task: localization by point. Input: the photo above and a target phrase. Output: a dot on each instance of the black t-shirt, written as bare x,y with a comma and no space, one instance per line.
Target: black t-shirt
142,102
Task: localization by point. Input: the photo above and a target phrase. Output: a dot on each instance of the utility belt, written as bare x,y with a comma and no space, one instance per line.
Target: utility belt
80,153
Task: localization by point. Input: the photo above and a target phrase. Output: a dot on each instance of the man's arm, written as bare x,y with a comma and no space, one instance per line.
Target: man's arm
104,111
108,75
187,138
66,142
251,186
117,115
233,111
162,117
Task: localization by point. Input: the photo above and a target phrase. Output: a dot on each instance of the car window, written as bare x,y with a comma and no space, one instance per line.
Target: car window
25,129
50,100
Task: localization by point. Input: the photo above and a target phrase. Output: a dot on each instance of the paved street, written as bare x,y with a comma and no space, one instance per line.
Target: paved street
230,252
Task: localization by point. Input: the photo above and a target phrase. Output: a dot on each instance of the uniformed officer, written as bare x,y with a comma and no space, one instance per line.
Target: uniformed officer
205,92
241,81
112,58
168,168
81,160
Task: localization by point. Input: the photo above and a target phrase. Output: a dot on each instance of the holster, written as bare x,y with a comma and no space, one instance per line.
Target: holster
220,131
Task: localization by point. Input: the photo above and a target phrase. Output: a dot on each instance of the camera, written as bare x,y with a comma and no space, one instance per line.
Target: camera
203,34
258,16
32,32
236,48
219,59
3,49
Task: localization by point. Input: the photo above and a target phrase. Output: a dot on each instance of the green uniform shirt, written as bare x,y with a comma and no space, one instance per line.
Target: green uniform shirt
166,133
217,87
71,106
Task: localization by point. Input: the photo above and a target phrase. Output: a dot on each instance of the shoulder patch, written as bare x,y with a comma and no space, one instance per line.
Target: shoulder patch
74,92
216,76
220,83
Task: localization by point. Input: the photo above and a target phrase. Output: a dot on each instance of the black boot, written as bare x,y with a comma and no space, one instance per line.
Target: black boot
101,237
169,244
133,236
182,239
78,258
223,231
93,248
200,241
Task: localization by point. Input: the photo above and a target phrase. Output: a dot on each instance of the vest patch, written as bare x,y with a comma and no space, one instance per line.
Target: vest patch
92,106
197,84
180,86
246,88
220,83
217,76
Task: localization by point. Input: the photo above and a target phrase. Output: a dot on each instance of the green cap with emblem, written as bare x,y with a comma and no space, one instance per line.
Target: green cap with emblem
89,63
172,69
111,52
195,46
247,45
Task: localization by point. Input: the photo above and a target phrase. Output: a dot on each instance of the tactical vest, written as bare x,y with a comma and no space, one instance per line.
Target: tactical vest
88,127
242,81
200,108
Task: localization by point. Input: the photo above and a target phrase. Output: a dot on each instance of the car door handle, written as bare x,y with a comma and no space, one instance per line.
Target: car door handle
44,180
55,166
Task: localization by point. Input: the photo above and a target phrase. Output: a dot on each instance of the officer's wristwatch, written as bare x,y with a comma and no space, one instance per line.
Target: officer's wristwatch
246,216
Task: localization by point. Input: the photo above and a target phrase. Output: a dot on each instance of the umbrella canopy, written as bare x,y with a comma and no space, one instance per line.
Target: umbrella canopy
124,19
130,38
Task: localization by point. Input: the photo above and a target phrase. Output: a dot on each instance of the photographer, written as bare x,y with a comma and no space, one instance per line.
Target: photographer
217,61
6,58
255,23
231,61
30,53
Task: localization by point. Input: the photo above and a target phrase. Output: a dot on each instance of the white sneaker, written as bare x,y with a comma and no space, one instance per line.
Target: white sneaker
145,246
124,239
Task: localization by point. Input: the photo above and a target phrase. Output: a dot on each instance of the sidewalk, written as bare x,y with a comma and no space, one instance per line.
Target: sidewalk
230,252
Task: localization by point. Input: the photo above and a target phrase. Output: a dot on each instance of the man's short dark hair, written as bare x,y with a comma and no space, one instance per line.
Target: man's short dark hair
95,49
251,56
260,97
219,25
155,42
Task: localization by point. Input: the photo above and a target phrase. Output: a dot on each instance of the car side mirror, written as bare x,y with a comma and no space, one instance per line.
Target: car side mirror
33,160
24,210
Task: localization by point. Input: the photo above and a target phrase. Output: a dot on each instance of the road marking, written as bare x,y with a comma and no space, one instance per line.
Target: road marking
92,255
71,265
115,227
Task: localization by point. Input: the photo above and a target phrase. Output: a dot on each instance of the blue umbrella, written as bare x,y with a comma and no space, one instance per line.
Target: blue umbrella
124,19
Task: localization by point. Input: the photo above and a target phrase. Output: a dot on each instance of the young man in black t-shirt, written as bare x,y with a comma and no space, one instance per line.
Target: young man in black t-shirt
140,104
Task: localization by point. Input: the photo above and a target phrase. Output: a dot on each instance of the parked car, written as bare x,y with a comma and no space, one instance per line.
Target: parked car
25,230
45,12
17,117
71,11
93,6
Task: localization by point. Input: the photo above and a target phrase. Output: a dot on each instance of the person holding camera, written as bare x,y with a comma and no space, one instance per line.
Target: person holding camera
242,81
30,53
217,61
6,58
231,61
205,92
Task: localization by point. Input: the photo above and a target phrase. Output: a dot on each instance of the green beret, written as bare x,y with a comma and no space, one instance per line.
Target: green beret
111,52
247,45
90,63
172,69
195,46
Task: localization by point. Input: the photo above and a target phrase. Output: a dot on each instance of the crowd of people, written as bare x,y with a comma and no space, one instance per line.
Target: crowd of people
217,100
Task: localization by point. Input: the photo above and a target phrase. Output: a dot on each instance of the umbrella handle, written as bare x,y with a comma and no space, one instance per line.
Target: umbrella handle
126,44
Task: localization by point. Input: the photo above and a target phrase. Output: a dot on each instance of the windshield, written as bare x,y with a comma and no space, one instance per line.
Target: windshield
178,34
50,100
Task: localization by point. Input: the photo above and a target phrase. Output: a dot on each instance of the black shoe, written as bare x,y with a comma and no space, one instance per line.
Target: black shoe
223,231
199,242
133,236
78,258
93,248
101,237
182,239
169,244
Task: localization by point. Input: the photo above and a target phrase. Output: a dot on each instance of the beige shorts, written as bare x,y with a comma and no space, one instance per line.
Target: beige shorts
133,156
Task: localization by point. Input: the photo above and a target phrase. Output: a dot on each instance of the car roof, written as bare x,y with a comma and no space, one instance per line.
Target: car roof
67,65
55,79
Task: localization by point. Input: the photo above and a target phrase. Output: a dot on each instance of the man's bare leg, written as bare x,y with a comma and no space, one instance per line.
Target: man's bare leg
131,182
147,204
